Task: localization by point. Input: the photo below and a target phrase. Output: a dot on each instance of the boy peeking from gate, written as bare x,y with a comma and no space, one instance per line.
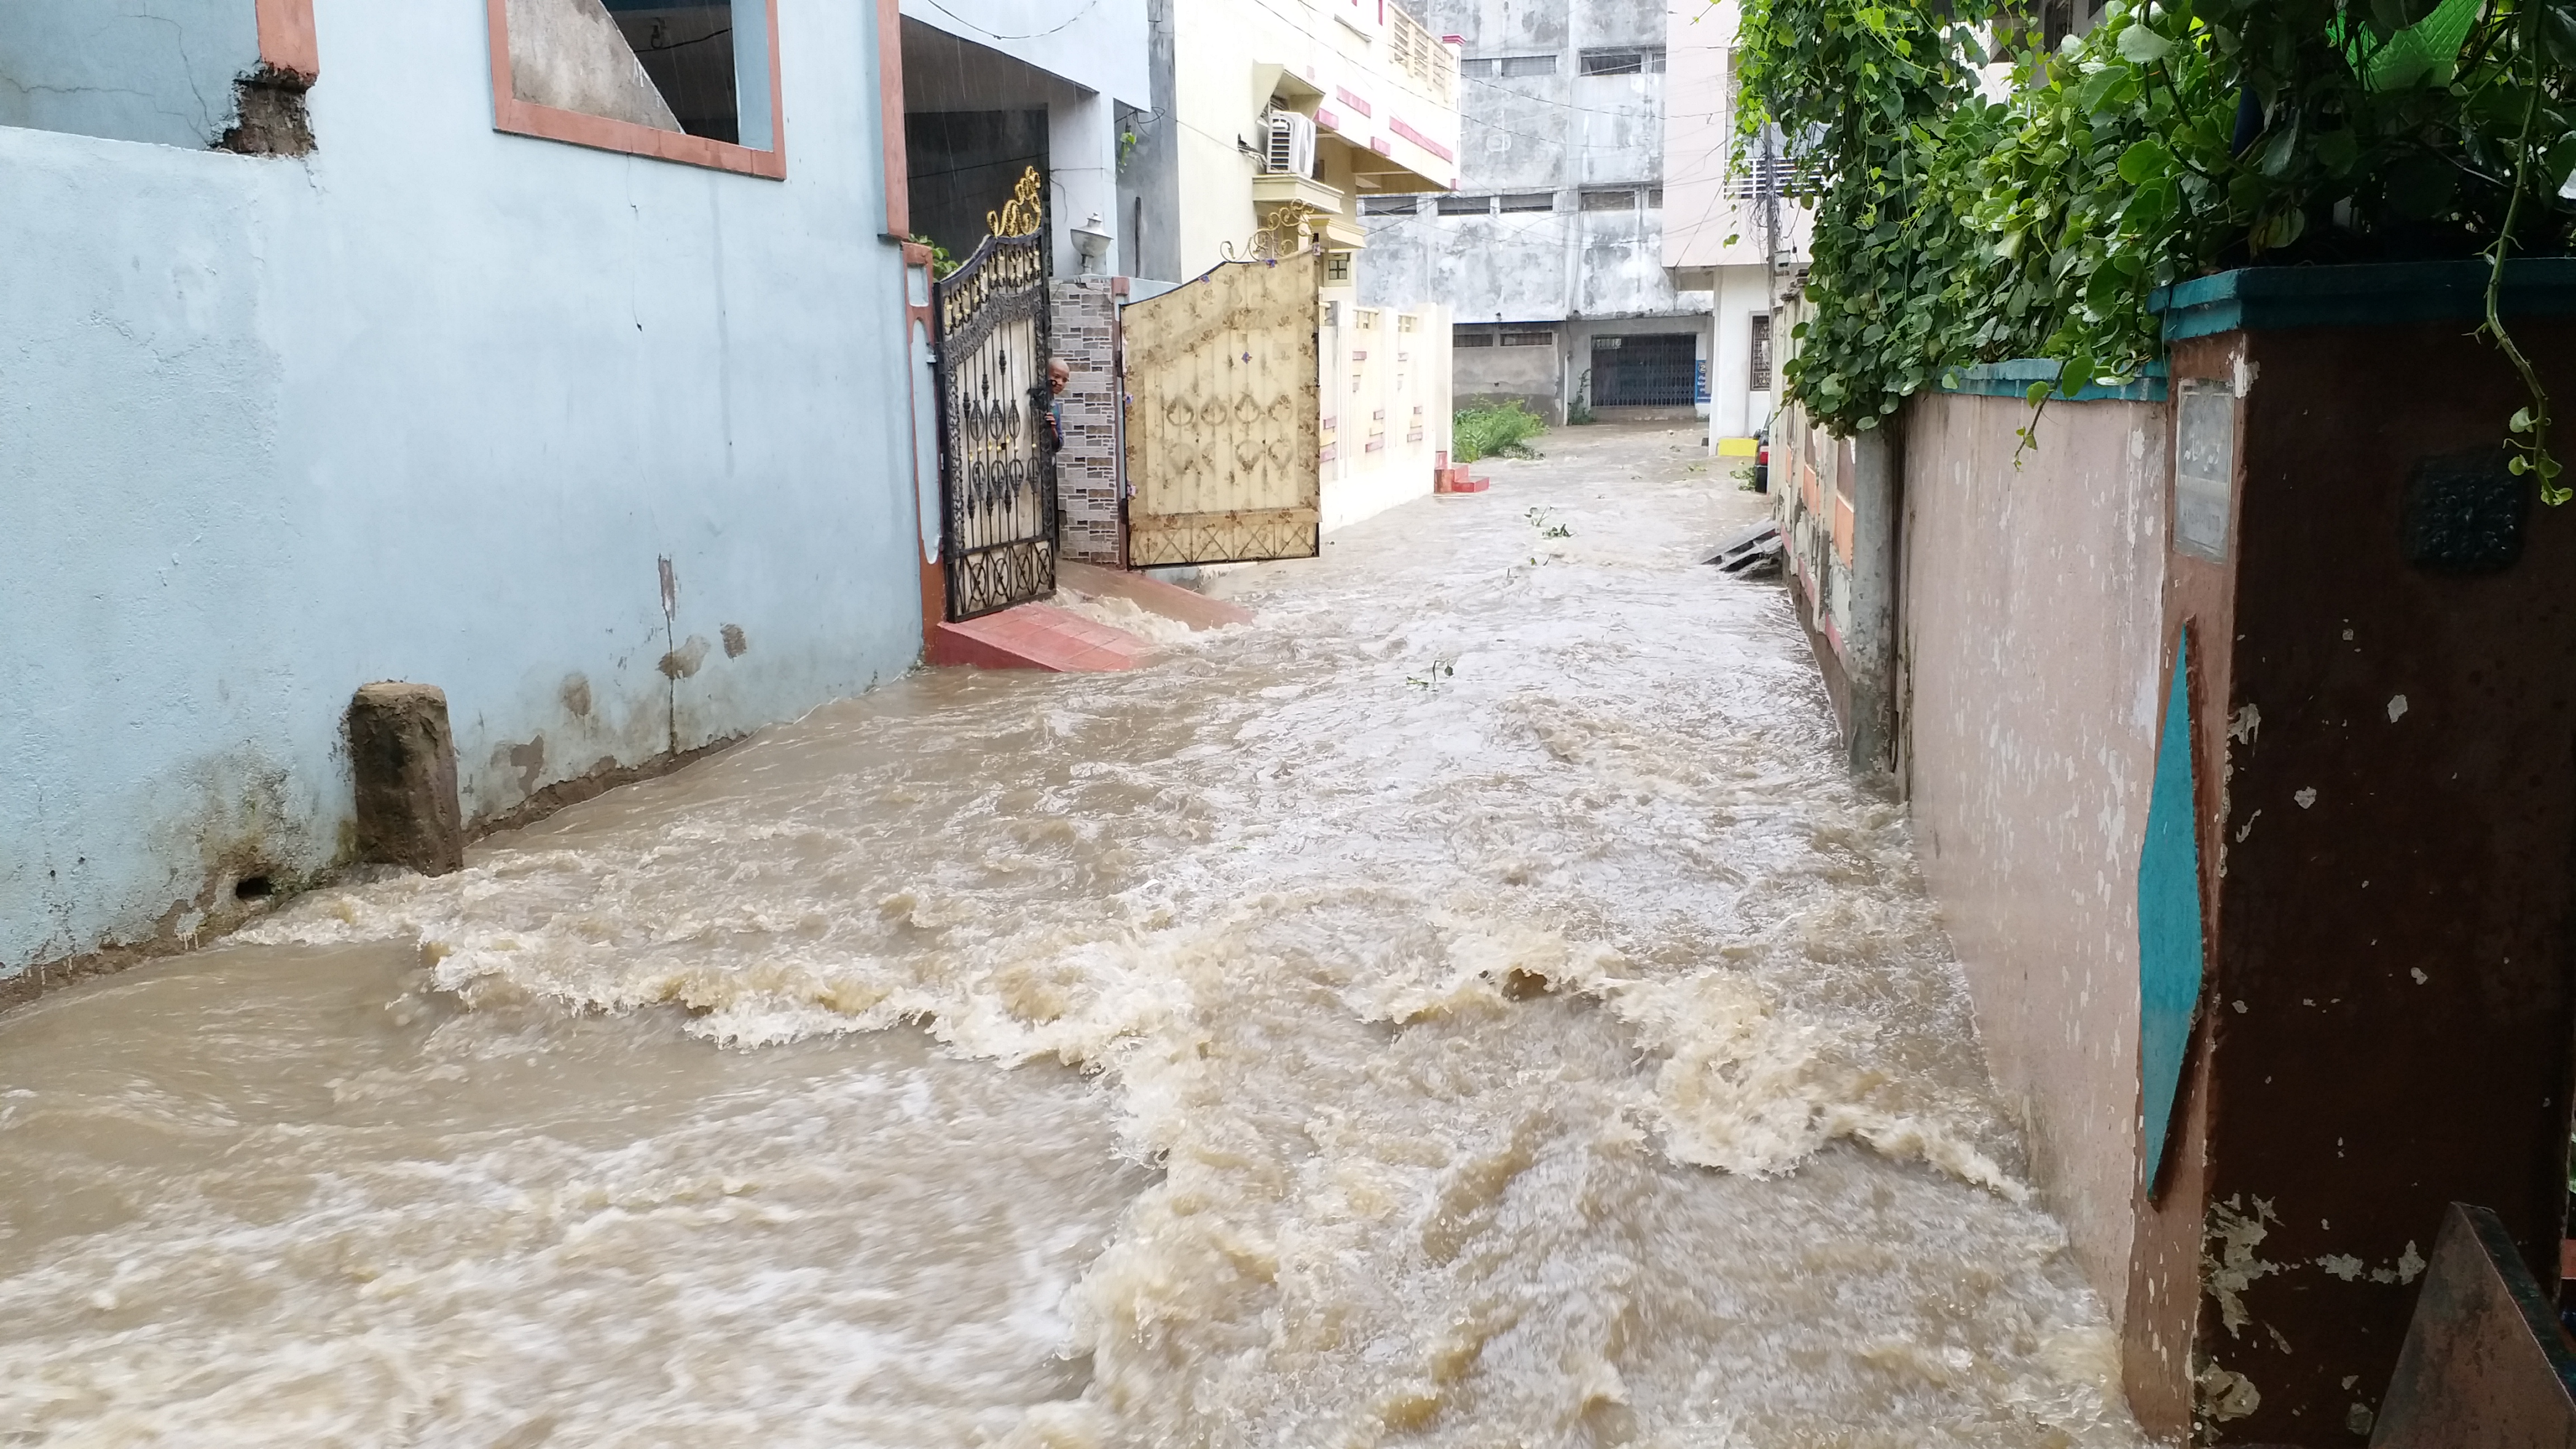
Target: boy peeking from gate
1059,373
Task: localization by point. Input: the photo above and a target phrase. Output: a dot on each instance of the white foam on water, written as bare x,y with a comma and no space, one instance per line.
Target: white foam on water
1499,1021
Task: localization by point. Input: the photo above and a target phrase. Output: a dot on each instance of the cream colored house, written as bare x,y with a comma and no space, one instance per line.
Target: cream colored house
1728,227
1285,115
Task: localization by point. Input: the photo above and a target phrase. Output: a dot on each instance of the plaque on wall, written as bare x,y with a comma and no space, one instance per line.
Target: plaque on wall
2204,467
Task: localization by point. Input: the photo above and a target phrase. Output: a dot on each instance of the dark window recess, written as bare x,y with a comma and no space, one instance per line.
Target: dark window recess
1478,68
1530,201
1654,198
1470,337
1528,65
1658,370
1529,339
1337,266
2059,19
1634,60
1761,368
1390,205
687,50
963,165
1466,205
1622,199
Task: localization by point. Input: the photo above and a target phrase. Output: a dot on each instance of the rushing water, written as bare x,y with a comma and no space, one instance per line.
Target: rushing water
1468,1006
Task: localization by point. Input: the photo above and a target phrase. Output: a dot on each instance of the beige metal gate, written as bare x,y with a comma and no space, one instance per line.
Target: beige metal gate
1223,440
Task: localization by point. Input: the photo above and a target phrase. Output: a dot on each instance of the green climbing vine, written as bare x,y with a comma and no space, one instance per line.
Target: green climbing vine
1979,197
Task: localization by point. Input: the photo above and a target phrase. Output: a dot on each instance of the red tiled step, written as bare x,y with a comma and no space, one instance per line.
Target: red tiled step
1151,595
1037,636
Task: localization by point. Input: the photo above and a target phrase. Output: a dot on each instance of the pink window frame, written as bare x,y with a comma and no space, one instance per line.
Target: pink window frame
526,118
286,38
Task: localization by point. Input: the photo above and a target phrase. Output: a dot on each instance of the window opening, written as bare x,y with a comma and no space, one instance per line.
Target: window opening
1528,65
1470,337
1337,266
1630,60
1530,201
683,80
686,49
1621,199
1761,368
1390,205
1466,205
1529,339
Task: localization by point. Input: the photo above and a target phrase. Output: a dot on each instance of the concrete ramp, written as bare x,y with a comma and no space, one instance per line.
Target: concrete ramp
1150,594
1037,636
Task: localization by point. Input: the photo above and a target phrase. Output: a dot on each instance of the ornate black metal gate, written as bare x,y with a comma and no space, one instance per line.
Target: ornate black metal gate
996,450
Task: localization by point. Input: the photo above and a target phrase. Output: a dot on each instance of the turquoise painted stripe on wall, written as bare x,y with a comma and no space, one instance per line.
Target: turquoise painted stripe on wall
2013,379
2378,294
2169,939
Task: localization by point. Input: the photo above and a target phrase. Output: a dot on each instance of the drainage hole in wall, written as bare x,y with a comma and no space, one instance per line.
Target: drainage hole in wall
253,887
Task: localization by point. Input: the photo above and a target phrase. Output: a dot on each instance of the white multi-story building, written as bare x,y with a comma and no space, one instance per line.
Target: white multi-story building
1549,252
1601,252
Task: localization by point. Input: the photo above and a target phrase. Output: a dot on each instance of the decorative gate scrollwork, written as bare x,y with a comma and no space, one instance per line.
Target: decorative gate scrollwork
996,452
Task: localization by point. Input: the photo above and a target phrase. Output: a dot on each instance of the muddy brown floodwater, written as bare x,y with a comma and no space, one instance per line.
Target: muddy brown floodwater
1468,1006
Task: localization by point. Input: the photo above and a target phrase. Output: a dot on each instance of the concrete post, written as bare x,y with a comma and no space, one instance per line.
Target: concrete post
1869,643
404,759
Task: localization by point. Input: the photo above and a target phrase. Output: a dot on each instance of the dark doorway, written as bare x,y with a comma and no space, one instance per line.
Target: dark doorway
1657,370
963,165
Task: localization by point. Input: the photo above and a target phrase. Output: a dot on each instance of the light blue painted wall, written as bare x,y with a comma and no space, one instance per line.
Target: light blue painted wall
428,404
136,70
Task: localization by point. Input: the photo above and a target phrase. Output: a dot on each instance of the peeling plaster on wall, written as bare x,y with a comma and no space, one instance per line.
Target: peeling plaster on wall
2225,1395
683,662
2228,1265
2409,1266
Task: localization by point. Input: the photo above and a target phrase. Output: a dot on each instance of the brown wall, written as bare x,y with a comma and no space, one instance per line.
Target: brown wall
2032,624
2387,1022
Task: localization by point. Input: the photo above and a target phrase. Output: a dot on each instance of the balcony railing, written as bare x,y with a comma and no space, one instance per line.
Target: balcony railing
1419,54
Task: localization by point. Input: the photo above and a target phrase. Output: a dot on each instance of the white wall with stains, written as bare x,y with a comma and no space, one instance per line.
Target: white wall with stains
2033,620
432,403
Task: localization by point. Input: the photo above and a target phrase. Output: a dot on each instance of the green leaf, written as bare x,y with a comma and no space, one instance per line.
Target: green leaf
2558,35
2521,421
2278,230
2146,161
2143,46
2336,151
2281,149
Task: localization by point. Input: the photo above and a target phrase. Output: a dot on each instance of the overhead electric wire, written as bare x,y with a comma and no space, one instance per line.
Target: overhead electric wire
1066,24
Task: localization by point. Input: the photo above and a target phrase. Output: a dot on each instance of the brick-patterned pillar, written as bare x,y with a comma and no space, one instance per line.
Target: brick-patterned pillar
1090,471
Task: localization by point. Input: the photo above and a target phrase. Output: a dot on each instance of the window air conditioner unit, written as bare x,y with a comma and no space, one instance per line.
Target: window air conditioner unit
1291,151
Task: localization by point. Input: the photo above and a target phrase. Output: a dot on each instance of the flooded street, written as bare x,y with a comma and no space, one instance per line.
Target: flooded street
1468,1006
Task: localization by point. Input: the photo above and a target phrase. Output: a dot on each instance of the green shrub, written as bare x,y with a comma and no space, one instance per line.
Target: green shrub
1500,430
